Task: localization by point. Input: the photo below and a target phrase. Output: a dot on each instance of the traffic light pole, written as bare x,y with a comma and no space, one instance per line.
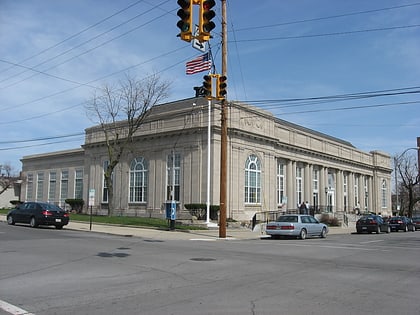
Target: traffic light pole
224,135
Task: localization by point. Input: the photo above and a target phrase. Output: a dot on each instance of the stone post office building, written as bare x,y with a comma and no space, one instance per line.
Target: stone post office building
272,164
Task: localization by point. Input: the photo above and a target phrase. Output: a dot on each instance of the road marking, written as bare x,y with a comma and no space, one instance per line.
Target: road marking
12,309
367,242
212,239
203,239
333,246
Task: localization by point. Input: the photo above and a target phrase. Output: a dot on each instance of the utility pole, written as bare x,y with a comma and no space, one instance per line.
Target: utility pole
224,135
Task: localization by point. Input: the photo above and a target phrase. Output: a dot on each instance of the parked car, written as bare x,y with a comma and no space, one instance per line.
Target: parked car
372,223
38,213
401,223
297,225
416,222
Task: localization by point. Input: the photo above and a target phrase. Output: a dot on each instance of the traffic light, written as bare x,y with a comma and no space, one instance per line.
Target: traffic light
221,87
185,22
205,23
207,86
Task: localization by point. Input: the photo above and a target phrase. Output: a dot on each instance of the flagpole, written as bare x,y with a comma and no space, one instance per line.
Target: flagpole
208,162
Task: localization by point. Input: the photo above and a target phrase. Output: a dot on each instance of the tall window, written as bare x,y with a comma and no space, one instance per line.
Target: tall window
52,187
331,180
315,180
40,186
64,190
173,167
384,194
299,184
104,185
78,184
138,180
366,189
356,191
30,187
345,191
252,180
281,183
315,188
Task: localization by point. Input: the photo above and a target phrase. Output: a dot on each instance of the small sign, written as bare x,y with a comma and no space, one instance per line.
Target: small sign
196,43
91,197
173,210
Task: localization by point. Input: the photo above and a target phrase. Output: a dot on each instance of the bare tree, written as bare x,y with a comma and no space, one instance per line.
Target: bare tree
408,172
120,111
7,177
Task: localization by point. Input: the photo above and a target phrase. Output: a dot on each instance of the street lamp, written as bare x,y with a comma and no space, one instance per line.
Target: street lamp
396,158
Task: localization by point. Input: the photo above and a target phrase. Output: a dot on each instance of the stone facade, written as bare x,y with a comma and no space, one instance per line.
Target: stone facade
273,165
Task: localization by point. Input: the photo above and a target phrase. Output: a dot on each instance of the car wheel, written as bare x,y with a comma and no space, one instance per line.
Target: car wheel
324,233
58,227
302,234
33,222
10,220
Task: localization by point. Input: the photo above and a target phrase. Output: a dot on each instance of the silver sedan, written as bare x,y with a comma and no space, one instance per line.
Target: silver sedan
299,225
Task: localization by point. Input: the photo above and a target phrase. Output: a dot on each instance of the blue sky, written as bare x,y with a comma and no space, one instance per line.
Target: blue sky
53,54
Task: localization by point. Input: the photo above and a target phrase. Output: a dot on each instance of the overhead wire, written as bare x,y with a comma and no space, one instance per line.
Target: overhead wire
327,34
74,35
43,138
327,17
90,49
238,41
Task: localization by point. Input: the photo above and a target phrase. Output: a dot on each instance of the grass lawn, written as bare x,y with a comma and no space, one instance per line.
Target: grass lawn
134,221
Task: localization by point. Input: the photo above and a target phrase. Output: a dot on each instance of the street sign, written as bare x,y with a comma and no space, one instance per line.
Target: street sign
196,43
91,197
173,210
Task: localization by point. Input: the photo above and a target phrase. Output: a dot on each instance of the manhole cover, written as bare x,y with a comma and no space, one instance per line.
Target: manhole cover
202,259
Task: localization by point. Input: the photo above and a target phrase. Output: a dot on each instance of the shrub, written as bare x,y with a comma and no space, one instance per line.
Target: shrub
75,204
199,210
329,220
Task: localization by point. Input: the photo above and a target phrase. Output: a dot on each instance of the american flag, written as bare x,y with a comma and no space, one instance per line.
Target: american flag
199,64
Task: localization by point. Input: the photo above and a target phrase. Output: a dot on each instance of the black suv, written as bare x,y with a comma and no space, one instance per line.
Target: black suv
38,213
401,223
372,223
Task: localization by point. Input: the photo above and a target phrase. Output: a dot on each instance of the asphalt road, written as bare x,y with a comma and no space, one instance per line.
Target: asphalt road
49,271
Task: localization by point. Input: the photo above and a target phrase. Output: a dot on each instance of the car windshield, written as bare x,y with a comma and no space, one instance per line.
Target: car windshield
287,218
51,207
371,218
368,218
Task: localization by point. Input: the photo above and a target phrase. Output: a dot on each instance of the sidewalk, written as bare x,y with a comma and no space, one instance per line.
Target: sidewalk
156,234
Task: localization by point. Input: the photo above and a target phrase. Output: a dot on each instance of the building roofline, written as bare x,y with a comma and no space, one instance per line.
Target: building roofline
62,152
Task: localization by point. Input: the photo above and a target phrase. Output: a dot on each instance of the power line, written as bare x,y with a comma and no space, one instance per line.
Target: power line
327,17
328,34
89,84
85,42
33,145
75,35
347,96
44,138
351,108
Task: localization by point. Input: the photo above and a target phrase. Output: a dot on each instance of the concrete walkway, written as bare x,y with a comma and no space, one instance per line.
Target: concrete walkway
157,234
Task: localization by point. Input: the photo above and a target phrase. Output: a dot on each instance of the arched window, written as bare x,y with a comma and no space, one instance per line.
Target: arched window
252,180
138,180
384,194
